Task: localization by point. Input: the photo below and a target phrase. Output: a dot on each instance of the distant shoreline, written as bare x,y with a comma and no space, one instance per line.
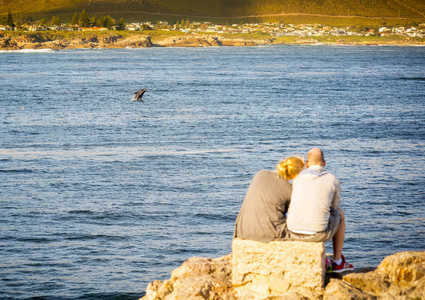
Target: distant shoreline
117,40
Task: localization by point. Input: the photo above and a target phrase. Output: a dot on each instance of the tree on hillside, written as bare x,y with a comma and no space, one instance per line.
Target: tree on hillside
109,22
121,24
9,20
74,20
55,21
43,22
101,22
84,20
93,21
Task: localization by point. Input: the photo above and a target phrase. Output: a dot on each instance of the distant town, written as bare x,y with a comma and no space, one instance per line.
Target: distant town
82,22
272,29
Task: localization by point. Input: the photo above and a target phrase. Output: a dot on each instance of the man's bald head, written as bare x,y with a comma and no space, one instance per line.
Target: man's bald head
315,157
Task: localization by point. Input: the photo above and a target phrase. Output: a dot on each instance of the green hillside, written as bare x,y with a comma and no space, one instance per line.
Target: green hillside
330,12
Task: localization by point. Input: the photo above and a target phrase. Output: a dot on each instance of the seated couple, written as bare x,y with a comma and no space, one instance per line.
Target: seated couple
308,211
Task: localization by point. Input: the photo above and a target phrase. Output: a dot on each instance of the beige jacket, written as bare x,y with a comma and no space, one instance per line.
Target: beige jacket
314,193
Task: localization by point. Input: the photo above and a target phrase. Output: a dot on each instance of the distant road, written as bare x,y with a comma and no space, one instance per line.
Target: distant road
409,7
263,15
319,15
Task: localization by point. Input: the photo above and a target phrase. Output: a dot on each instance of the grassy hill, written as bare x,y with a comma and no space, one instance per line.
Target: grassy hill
330,12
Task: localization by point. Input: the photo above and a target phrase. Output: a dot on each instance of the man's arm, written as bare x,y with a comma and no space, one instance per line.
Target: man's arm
337,195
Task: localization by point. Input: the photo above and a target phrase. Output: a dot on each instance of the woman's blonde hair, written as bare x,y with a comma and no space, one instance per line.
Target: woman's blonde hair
290,167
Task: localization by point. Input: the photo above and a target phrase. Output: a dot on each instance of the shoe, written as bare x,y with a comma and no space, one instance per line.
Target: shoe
344,266
328,266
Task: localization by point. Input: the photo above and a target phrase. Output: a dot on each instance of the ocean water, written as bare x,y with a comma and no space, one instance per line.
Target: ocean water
101,195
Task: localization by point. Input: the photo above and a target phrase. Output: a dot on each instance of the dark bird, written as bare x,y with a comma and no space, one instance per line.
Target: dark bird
138,95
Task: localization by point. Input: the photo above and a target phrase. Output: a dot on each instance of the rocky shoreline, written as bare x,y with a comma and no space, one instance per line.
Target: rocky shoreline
398,276
95,41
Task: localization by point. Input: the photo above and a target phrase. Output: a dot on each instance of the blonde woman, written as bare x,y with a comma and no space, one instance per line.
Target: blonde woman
262,216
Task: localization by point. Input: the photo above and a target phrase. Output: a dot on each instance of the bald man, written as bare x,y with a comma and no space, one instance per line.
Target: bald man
314,214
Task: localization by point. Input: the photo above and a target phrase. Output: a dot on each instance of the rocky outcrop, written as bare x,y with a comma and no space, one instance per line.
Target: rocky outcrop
208,41
242,42
33,41
189,41
262,270
399,276
136,42
8,43
108,40
196,278
72,40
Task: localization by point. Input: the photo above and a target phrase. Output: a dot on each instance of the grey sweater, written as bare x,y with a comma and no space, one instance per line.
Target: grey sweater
262,214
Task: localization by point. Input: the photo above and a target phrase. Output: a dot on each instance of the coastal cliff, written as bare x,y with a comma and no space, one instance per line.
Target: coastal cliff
80,42
118,41
398,276
115,40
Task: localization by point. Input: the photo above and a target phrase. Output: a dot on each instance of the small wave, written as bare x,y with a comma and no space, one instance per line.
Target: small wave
412,78
215,217
106,154
112,296
28,51
16,171
36,240
46,264
87,237
81,211
185,152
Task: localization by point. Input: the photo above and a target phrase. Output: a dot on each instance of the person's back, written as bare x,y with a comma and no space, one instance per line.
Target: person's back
314,214
316,192
262,216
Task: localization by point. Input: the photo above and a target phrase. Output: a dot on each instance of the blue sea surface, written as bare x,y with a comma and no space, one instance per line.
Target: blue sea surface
101,195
